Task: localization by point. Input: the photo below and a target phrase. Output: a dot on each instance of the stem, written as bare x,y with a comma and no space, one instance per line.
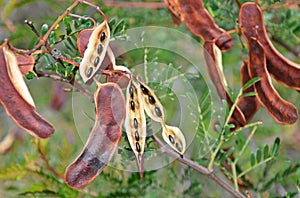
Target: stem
234,175
256,165
199,168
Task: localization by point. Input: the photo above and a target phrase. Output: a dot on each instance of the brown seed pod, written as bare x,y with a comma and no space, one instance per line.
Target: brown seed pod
249,105
200,23
281,111
95,51
16,99
252,25
25,63
213,59
103,139
135,124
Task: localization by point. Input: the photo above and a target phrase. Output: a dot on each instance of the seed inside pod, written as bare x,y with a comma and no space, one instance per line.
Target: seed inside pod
178,146
138,148
135,123
158,112
131,91
89,72
96,61
171,139
132,105
144,90
102,36
137,137
151,100
99,49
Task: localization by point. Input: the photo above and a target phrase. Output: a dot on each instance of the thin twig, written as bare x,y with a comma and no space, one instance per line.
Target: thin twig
286,46
151,5
199,168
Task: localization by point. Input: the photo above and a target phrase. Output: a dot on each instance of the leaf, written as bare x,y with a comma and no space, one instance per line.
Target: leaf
44,29
248,94
266,151
52,37
252,159
67,24
275,147
258,156
251,82
30,75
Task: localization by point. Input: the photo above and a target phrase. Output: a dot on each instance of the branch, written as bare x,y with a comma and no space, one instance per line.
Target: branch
286,46
199,168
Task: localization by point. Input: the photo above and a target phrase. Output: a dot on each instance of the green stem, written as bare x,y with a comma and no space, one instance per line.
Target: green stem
253,167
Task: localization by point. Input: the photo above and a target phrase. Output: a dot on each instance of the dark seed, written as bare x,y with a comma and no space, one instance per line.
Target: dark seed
158,112
102,36
96,61
99,49
132,105
171,139
135,123
137,137
144,90
131,91
151,100
138,147
89,72
178,146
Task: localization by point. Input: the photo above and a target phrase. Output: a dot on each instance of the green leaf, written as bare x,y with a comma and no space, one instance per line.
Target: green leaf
67,24
30,75
266,151
44,29
248,94
252,159
275,147
258,156
251,82
52,37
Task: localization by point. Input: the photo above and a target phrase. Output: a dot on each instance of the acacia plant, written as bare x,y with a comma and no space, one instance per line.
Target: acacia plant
142,118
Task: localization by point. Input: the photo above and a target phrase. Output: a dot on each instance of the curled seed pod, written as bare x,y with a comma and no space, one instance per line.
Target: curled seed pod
174,137
200,23
252,25
213,59
25,63
152,105
135,124
95,51
16,99
103,139
281,111
249,105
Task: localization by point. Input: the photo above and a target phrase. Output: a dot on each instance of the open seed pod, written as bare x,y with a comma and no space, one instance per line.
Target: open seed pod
95,51
174,137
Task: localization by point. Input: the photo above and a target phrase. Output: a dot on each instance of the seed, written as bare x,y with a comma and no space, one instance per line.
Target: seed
171,139
137,137
151,100
138,147
102,36
144,90
131,91
135,123
178,146
132,105
89,72
158,112
96,61
99,49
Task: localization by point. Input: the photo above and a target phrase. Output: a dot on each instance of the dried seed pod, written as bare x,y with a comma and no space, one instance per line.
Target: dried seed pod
174,137
200,23
25,63
249,105
103,139
213,59
95,52
135,124
252,25
152,105
281,111
16,99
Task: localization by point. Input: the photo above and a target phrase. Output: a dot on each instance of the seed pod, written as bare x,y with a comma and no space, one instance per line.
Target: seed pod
200,23
25,63
281,111
174,137
16,99
95,52
252,25
103,139
152,105
213,59
135,124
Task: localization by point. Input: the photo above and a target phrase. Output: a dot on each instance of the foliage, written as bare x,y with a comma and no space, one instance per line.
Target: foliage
259,157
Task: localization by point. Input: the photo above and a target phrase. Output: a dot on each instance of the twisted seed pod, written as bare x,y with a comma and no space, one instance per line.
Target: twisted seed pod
16,99
200,23
213,59
135,124
152,105
252,25
172,135
103,139
281,111
249,105
95,52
